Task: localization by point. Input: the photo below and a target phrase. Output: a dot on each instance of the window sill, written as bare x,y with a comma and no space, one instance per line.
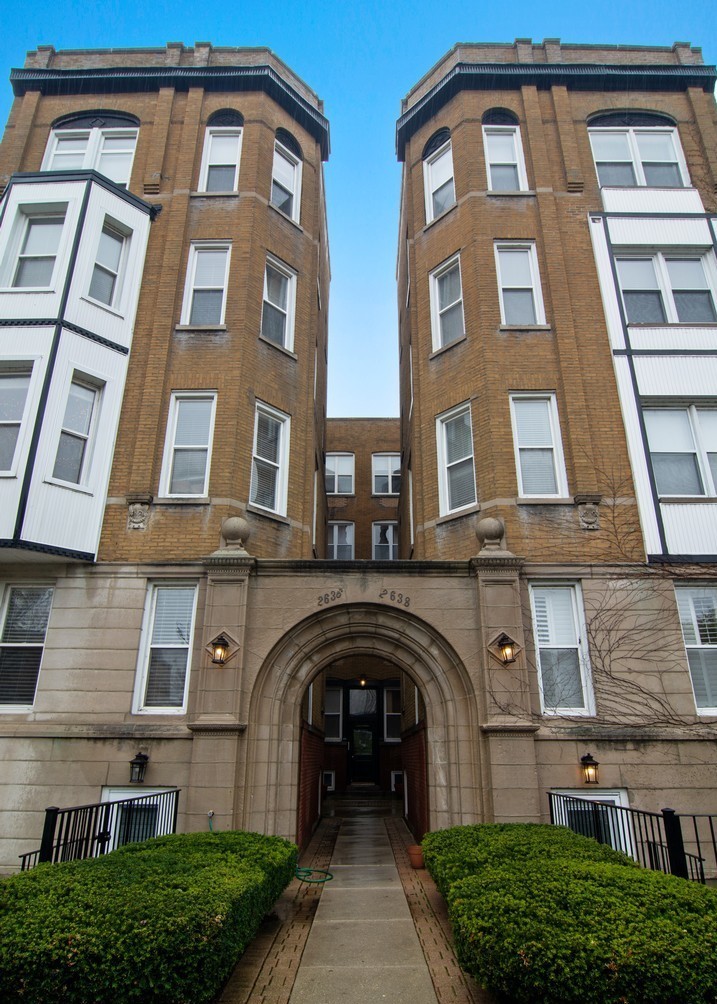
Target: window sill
204,328
437,219
445,348
214,195
80,489
687,500
183,500
277,517
520,193
468,511
280,348
27,289
671,325
385,495
545,500
525,327
340,495
286,217
103,306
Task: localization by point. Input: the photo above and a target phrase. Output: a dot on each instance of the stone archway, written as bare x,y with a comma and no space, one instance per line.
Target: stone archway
397,636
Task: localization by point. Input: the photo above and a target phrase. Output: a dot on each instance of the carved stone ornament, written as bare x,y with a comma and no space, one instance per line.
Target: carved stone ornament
588,511
138,511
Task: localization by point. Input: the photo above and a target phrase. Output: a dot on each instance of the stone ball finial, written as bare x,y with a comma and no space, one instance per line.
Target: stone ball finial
236,532
490,531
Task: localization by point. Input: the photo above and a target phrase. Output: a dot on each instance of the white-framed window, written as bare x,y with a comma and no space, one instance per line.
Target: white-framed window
205,292
141,814
24,616
456,473
220,159
34,266
188,444
438,180
163,668
339,473
392,714
107,150
286,181
77,433
328,780
277,317
560,643
340,541
683,449
668,288
14,386
646,157
447,323
521,298
333,714
384,538
538,449
698,616
270,462
106,281
604,821
386,473
505,164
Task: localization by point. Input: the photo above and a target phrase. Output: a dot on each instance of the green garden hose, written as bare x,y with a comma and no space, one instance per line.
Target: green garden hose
307,875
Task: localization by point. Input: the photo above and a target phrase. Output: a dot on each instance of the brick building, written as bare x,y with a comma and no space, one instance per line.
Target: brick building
169,480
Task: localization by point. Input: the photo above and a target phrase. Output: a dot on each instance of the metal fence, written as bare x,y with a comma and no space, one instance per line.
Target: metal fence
86,831
677,844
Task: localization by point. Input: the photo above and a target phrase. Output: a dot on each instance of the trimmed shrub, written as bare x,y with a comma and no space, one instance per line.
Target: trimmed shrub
586,932
162,921
466,850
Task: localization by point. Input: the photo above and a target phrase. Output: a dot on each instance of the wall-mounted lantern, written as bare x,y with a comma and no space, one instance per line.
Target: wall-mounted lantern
362,681
506,647
589,766
137,767
220,650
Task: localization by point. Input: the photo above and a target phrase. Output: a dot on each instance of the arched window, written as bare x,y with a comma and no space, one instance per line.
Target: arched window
286,175
438,183
505,163
99,140
222,152
637,149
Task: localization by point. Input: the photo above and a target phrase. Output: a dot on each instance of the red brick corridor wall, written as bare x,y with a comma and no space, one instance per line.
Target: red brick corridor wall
312,751
413,748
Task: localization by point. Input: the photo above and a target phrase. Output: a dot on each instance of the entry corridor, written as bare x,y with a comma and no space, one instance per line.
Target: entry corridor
363,944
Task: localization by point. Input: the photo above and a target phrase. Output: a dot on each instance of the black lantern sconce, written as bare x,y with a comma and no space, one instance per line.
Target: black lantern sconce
137,767
589,766
220,649
506,647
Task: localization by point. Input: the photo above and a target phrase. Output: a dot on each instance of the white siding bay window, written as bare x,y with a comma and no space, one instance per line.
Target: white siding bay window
35,264
76,442
105,284
683,449
698,616
456,474
14,385
561,651
24,616
163,670
668,288
269,474
538,449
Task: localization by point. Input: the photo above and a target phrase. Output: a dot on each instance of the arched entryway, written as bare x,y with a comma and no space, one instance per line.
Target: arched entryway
391,637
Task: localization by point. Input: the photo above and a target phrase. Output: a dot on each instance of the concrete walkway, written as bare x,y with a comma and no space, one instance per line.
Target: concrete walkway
363,944
379,931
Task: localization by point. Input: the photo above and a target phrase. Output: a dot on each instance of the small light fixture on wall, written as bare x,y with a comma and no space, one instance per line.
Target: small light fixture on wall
362,681
137,767
506,647
220,649
589,766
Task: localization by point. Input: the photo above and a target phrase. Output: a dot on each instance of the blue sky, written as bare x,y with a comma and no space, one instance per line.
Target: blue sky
361,58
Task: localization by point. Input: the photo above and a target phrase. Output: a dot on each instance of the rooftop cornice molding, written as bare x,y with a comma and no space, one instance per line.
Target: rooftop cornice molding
138,79
575,76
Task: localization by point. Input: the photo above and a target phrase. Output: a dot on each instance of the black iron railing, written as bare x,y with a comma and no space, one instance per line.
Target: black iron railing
86,831
677,844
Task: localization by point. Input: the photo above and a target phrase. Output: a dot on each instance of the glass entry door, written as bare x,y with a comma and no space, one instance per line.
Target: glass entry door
363,734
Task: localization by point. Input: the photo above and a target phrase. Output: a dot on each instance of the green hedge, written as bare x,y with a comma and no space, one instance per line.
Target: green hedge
545,915
162,921
465,850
